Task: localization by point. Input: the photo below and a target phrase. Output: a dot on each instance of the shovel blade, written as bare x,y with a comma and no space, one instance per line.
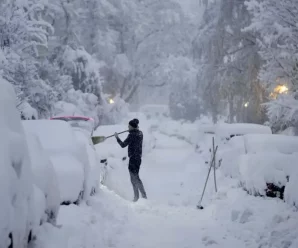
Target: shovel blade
97,139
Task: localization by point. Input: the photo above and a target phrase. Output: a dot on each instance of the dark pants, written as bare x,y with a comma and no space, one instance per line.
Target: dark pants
134,168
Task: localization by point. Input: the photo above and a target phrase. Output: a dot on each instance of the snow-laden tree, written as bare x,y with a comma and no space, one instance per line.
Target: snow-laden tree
148,32
183,95
275,22
228,61
24,35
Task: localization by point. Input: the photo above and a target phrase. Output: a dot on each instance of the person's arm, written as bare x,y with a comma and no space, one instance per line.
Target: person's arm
124,143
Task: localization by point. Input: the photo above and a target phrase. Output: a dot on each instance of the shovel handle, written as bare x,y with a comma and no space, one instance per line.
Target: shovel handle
118,133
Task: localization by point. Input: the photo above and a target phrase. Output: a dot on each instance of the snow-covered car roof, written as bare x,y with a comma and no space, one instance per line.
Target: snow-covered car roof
83,122
69,118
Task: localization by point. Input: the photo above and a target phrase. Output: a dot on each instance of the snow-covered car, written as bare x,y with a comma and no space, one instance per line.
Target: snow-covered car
68,156
255,143
19,215
270,174
226,131
44,174
231,141
83,128
251,144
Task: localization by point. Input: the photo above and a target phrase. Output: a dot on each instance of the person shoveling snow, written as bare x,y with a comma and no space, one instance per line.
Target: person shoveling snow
134,141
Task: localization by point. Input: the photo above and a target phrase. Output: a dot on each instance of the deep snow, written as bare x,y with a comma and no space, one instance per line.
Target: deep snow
173,175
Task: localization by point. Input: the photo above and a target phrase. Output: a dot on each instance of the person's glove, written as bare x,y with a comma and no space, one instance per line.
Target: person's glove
116,135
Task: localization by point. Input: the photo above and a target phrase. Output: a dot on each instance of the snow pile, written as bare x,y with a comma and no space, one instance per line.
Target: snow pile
45,177
16,189
268,167
265,142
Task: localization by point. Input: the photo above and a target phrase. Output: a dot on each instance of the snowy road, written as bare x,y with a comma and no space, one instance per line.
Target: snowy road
174,176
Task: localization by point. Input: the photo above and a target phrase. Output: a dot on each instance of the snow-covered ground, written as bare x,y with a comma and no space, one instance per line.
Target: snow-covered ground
173,175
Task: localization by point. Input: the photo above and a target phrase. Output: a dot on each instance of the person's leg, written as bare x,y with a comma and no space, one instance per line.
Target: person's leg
133,171
141,188
134,185
139,182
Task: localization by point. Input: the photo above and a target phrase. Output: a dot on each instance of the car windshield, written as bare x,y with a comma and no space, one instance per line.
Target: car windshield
78,122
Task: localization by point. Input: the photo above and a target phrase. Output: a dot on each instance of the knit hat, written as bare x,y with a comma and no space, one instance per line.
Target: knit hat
134,123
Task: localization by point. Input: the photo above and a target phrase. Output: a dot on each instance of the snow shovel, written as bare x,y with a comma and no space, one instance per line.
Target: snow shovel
99,139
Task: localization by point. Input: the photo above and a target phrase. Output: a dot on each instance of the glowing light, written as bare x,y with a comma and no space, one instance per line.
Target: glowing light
111,101
279,89
246,104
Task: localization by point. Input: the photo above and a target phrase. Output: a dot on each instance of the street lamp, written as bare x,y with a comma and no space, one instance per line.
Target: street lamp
246,104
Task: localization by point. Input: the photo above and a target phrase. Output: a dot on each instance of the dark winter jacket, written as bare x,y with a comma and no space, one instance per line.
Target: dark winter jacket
134,141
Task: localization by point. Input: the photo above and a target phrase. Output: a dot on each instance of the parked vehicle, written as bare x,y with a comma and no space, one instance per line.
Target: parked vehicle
19,214
67,154
83,128
44,176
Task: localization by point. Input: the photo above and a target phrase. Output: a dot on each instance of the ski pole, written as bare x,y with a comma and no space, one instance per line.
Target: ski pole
199,206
